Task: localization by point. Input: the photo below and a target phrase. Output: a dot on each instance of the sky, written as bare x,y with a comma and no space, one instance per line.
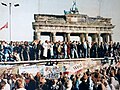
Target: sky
23,16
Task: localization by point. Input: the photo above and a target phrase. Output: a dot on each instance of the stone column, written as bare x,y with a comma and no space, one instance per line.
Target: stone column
68,37
99,39
37,35
82,37
99,35
51,37
86,36
54,37
105,38
65,37
110,37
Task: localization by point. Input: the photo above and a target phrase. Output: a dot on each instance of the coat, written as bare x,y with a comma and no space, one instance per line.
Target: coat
84,86
45,46
68,49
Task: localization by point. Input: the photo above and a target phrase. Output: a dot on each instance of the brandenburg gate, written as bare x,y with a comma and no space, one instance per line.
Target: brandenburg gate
73,24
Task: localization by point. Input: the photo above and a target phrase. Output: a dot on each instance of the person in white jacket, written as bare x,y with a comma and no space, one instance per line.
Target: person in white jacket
7,86
45,46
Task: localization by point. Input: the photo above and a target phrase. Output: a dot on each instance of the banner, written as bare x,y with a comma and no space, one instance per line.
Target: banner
52,71
65,67
29,69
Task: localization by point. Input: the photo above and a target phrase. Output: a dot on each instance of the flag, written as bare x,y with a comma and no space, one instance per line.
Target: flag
5,26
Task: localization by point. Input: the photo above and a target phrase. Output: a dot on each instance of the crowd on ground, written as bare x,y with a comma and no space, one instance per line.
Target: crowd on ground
107,78
36,50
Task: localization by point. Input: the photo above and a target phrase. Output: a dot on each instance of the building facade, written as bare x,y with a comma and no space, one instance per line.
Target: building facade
73,24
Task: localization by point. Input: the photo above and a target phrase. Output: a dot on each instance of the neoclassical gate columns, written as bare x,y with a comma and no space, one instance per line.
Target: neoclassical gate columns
110,37
37,35
99,38
65,37
86,36
96,37
105,37
68,37
74,24
82,37
54,36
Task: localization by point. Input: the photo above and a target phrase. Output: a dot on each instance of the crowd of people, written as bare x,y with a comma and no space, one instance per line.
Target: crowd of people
36,50
107,78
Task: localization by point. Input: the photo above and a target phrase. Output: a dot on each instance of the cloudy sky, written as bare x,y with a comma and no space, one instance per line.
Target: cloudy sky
23,16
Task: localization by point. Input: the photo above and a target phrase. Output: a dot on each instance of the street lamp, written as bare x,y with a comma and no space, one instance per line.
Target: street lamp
9,5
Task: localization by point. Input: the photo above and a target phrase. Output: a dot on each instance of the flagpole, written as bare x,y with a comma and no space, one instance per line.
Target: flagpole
10,12
10,21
